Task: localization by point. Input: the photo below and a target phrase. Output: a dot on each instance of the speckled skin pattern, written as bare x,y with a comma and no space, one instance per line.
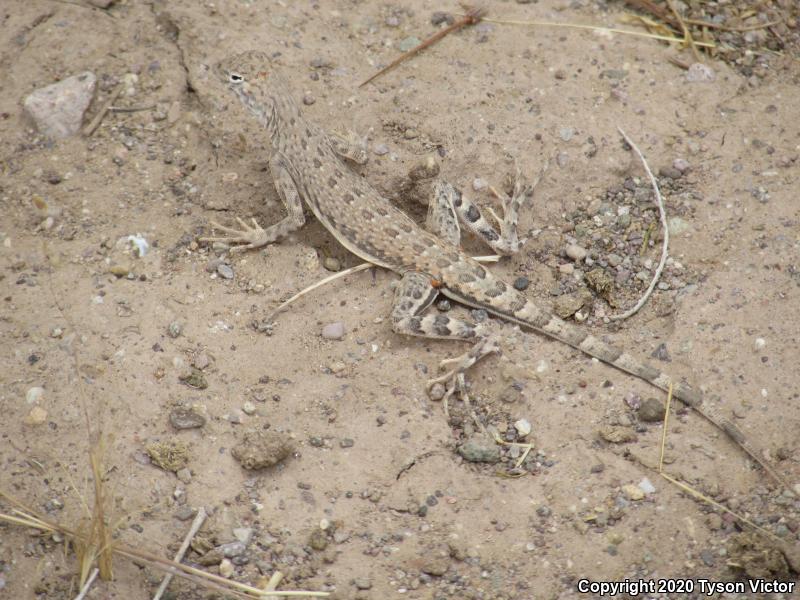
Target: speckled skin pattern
306,166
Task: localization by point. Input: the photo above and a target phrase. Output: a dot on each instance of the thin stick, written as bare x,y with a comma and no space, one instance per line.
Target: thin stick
87,585
491,258
664,248
473,16
130,109
653,36
95,123
686,33
664,432
311,288
196,525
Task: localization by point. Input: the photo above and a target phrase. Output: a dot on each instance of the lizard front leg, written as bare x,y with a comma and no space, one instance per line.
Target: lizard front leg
256,236
413,296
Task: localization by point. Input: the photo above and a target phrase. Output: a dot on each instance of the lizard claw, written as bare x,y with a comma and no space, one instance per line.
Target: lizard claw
251,237
453,380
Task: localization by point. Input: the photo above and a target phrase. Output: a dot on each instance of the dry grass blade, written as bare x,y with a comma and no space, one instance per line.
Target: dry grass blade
686,33
652,36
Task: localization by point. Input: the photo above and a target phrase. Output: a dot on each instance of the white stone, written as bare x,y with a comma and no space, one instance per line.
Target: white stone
58,109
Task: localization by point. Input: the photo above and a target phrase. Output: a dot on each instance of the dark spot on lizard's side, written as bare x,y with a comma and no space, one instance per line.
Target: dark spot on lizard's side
359,191
441,325
347,197
480,272
320,151
415,324
304,143
442,263
418,248
416,294
406,227
490,234
472,214
458,199
391,231
381,211
308,132
574,336
466,278
498,290
332,182
338,173
648,373
517,304
367,214
348,232
453,257
688,395
292,121
317,163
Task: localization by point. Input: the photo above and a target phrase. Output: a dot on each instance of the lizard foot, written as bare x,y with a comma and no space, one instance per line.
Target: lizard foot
250,237
511,206
453,380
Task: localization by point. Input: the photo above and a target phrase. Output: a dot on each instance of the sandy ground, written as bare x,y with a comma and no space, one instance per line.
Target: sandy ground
374,458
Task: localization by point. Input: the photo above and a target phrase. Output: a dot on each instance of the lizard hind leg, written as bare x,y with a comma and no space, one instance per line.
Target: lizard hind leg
413,296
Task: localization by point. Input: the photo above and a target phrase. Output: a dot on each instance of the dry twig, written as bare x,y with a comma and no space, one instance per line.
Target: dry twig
664,248
196,525
473,16
95,122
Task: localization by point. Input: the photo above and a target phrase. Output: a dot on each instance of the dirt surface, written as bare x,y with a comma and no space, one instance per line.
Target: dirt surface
372,496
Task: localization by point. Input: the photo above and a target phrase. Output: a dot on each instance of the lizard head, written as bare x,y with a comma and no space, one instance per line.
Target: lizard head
252,77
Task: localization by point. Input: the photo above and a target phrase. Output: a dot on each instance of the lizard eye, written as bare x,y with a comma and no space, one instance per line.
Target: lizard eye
235,78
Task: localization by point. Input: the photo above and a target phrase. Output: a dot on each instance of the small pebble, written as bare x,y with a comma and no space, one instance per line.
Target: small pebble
479,184
225,271
439,17
380,149
632,492
174,329
333,331
681,164
226,568
34,394
651,411
37,416
186,418
759,344
248,408
436,392
57,110
332,264
562,159
309,99
576,252
523,427
698,73
646,486
521,283
392,21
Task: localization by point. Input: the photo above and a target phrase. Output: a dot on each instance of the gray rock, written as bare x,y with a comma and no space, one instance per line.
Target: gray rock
174,330
651,411
681,164
699,73
225,271
186,418
380,149
333,331
480,448
58,109
232,549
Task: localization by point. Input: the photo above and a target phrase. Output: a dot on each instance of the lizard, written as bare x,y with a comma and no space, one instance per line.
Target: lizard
306,166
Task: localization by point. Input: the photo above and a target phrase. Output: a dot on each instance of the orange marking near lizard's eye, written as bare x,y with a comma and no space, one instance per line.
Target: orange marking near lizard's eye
436,283
261,75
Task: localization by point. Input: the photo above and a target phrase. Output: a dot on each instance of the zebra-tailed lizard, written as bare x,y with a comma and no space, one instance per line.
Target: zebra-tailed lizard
305,166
